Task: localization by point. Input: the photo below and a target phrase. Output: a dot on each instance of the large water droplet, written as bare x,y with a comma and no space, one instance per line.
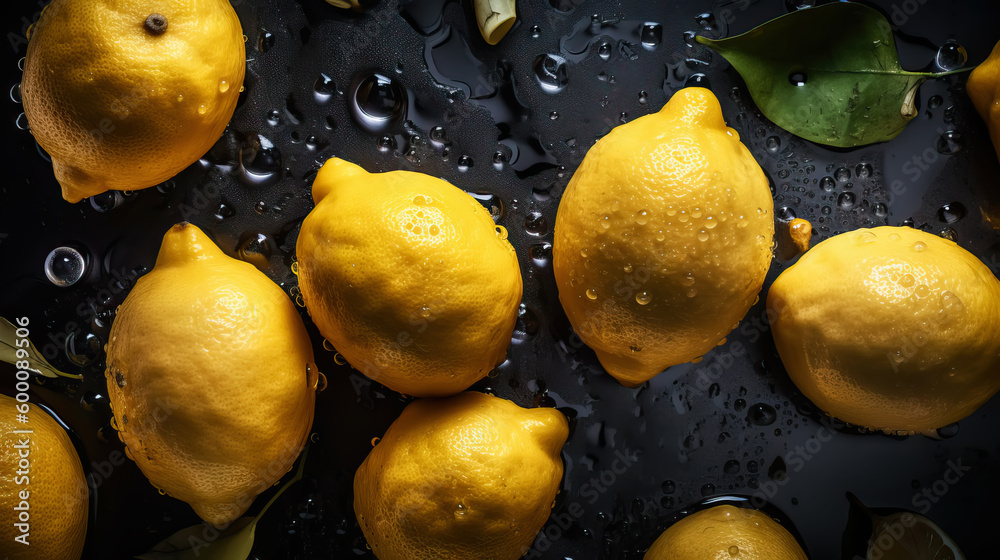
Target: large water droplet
950,143
324,88
256,250
651,35
951,56
761,414
952,212
490,201
378,103
536,224
83,348
65,266
550,71
846,200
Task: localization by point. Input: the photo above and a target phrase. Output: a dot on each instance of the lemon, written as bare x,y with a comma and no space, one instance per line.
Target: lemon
124,94
983,88
662,238
210,377
890,328
468,476
726,533
408,278
48,494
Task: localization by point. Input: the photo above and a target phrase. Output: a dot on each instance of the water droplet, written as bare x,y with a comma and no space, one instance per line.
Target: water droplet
492,202
651,35
82,348
643,298
785,214
798,79
703,235
950,143
224,211
952,212
256,250
223,86
846,200
880,210
323,88
642,218
668,487
15,93
949,233
773,144
464,163
951,302
378,103
734,551
919,246
604,51
106,201
265,40
536,224
705,20
934,102
643,97
339,359
792,5
842,174
698,79
707,489
386,143
827,183
375,441
863,170
951,56
540,253
22,122
761,414
732,466
949,431
591,293
501,232
65,266
550,72
273,117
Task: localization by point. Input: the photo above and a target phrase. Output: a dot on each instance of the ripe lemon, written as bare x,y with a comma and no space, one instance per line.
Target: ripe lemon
124,94
890,328
984,90
662,238
48,493
726,533
469,476
408,278
210,377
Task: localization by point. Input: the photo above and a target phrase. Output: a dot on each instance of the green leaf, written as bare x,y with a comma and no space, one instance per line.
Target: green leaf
9,348
829,74
202,542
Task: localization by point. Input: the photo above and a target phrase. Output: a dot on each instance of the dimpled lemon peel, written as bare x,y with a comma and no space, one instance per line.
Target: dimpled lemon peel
890,328
468,476
983,88
45,505
726,533
662,238
210,377
124,94
408,278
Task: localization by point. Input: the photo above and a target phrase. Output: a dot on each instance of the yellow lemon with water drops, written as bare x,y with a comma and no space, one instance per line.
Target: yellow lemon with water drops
983,88
468,476
43,493
890,328
408,278
210,377
124,94
726,533
662,238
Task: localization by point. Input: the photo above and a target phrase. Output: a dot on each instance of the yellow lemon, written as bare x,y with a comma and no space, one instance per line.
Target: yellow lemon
469,476
726,533
124,94
408,278
984,90
210,377
41,486
662,238
890,328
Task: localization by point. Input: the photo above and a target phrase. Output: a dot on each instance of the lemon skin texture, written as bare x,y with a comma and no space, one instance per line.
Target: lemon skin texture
463,477
726,533
118,106
57,493
983,88
210,377
408,278
890,328
662,238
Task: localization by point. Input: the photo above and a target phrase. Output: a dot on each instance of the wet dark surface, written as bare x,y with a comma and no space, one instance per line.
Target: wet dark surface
512,122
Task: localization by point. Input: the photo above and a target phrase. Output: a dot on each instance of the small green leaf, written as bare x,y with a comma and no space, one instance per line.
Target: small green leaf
829,74
202,542
9,348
